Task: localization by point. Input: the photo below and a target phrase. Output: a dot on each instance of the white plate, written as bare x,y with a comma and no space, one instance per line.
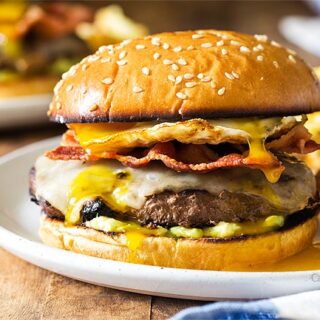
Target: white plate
19,220
22,111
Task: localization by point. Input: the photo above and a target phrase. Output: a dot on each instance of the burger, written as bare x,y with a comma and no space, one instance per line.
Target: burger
180,152
37,44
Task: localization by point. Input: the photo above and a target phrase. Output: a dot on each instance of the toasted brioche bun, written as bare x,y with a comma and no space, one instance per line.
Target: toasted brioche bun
187,74
205,254
27,86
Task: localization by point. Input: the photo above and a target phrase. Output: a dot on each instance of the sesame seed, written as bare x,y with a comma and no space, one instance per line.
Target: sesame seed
57,87
206,45
59,105
181,95
200,32
122,54
260,47
156,56
212,84
107,80
235,43
261,37
200,76
167,61
188,76
206,79
224,37
140,46
137,89
190,48
125,42
65,75
121,62
69,87
260,58
178,79
175,67
107,59
182,62
165,46
220,43
224,51
145,71
262,78
93,108
291,58
221,91
244,49
171,78
102,49
190,84
235,74
155,41
197,36
177,49
275,44
291,52
229,76
84,90
93,58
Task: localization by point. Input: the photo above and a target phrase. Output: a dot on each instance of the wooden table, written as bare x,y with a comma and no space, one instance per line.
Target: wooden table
28,292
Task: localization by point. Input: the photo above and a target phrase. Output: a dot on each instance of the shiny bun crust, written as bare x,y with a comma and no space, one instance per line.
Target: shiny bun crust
181,75
182,253
27,86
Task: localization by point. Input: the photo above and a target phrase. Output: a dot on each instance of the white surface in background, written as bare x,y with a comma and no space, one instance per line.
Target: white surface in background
24,111
302,31
19,222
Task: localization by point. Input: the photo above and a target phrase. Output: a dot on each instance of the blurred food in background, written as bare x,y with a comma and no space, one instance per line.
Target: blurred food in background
39,42
110,25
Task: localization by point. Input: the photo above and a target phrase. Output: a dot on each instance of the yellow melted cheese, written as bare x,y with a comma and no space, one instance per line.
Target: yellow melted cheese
97,181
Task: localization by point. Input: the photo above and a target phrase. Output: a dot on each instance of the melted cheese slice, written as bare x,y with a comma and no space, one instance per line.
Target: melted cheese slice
116,137
64,184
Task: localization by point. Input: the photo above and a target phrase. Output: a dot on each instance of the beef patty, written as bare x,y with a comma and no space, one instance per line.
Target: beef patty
189,208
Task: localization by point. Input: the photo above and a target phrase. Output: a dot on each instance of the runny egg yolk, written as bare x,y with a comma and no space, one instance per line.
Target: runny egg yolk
97,181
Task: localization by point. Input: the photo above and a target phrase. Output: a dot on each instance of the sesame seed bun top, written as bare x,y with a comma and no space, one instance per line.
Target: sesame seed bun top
181,75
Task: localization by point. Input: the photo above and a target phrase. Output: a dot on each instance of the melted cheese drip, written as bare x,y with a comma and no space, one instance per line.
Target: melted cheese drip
97,181
134,240
308,259
102,137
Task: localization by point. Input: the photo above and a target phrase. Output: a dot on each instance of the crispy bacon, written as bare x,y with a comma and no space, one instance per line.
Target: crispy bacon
166,153
190,158
68,153
297,140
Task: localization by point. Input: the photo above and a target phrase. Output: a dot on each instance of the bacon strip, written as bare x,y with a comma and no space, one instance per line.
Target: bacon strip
164,152
297,140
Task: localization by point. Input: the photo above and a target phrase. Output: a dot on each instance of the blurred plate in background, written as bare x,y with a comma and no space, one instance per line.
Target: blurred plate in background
24,111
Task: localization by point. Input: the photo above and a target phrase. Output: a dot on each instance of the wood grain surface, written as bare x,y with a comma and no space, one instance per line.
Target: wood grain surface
28,292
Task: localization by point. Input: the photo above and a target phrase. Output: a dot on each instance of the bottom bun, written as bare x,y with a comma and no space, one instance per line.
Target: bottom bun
205,254
27,86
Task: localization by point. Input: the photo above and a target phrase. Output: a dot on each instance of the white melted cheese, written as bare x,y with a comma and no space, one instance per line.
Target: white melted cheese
54,177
